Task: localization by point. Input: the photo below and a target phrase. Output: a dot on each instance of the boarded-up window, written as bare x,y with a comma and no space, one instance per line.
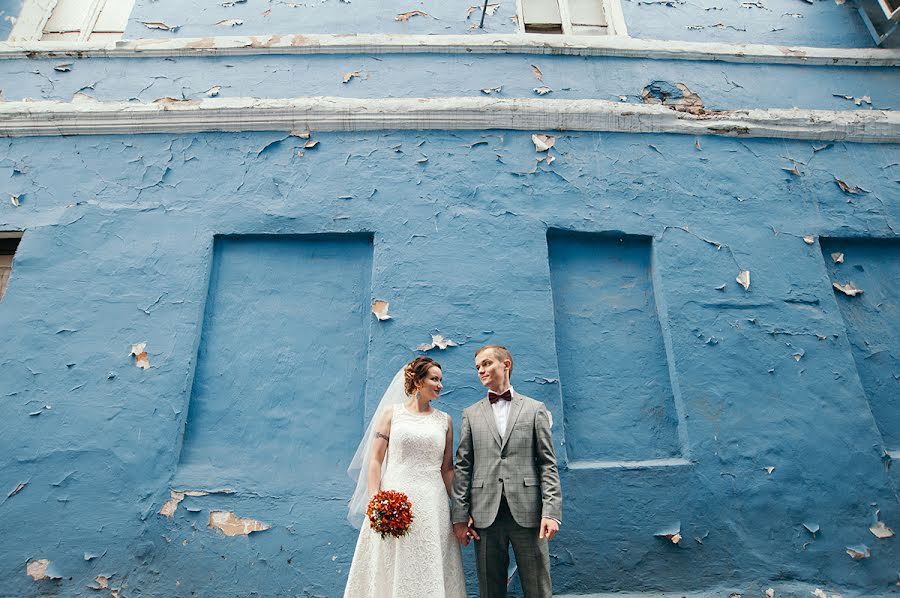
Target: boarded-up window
278,395
9,242
617,395
872,319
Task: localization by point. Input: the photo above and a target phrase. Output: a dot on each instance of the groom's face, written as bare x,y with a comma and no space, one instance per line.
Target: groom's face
493,373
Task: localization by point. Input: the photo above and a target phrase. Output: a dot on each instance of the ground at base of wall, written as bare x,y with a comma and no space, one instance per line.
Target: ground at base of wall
778,590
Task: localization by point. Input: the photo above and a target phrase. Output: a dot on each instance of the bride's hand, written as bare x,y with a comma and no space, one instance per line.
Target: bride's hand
461,531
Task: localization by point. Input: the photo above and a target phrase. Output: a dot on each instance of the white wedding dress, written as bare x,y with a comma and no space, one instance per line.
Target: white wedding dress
427,561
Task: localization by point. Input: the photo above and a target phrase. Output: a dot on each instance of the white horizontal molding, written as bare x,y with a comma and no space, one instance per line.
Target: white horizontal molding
573,45
87,117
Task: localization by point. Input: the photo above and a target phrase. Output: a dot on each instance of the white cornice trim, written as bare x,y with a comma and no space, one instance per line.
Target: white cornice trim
457,113
573,45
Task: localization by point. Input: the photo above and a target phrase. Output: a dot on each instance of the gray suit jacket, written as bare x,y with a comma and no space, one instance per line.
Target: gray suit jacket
521,465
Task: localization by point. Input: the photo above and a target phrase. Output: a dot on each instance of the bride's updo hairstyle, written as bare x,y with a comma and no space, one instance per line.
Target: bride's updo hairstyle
416,371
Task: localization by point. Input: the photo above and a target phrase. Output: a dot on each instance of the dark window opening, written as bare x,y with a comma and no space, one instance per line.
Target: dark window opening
9,242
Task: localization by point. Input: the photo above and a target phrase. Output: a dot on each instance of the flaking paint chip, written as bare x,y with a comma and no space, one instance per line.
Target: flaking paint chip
837,257
848,289
380,309
17,489
159,25
437,341
408,15
490,90
818,593
881,531
229,23
213,91
672,534
860,551
848,188
809,239
743,279
232,525
39,569
168,509
348,76
140,355
542,143
537,72
14,200
770,593
769,469
542,90
65,67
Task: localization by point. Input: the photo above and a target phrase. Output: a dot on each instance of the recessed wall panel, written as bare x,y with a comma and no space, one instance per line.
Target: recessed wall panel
614,376
872,319
277,401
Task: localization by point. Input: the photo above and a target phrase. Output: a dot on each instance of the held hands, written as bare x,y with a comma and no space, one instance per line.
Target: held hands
549,528
465,532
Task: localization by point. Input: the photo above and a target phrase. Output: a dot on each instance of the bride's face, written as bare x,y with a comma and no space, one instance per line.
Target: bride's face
430,388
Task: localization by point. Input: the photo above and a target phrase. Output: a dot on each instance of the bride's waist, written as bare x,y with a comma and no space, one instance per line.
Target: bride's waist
412,470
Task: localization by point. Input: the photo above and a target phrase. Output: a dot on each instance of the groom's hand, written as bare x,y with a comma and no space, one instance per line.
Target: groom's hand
549,527
461,531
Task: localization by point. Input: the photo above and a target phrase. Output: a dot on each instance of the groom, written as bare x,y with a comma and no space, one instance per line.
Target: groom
506,486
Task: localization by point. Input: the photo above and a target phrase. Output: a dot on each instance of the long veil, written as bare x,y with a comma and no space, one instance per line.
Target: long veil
358,470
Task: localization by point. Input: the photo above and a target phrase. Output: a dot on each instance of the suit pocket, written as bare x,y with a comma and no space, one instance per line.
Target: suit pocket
478,484
531,481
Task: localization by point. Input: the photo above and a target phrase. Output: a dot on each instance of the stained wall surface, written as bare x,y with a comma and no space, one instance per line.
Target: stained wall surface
758,423
118,249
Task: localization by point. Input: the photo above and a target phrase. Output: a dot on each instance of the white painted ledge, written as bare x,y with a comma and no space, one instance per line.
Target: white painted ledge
87,117
571,45
646,464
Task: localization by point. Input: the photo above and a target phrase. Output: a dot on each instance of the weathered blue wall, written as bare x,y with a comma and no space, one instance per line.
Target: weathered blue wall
248,269
118,249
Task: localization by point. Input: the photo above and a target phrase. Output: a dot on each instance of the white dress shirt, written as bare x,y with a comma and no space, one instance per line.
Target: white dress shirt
501,413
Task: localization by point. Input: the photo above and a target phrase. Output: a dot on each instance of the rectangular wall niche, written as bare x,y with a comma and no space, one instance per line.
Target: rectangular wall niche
614,376
872,320
9,242
277,400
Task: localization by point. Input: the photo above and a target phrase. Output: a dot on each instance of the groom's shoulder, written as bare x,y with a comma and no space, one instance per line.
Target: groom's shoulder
533,403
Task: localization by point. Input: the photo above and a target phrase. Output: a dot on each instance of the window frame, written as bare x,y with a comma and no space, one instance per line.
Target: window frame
615,19
35,15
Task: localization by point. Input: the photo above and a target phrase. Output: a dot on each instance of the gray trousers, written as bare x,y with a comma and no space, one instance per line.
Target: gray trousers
492,556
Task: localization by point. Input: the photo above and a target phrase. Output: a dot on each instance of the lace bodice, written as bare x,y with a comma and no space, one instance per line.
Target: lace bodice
417,441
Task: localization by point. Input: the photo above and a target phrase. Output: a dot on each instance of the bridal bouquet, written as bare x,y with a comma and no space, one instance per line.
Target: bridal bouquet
390,513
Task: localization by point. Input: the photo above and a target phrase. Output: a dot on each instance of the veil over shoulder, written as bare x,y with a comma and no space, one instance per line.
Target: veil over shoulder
358,470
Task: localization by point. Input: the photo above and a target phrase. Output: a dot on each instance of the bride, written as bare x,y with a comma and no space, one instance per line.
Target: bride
407,447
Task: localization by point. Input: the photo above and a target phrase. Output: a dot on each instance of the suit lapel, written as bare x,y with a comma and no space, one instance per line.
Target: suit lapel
514,410
489,418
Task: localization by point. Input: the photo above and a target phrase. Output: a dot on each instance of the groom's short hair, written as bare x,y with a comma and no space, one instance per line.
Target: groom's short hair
500,351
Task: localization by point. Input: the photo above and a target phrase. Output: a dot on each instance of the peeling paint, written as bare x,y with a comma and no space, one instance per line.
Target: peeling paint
231,525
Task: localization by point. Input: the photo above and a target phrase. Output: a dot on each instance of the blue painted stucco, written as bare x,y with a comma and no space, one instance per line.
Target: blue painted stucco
248,264
123,239
9,11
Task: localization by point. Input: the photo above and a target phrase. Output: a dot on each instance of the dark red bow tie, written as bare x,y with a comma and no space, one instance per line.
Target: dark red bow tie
494,397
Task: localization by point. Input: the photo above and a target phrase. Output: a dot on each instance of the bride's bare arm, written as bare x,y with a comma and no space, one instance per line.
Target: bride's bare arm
382,434
447,465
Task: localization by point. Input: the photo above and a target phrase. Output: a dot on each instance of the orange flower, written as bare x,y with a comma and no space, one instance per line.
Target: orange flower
390,513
